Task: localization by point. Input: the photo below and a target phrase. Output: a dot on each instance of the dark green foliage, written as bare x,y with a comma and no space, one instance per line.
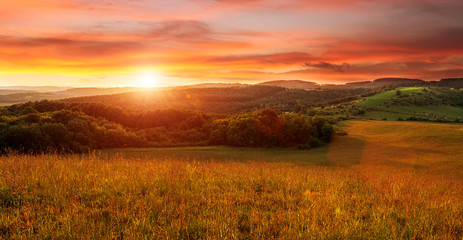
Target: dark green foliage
268,128
396,82
60,131
451,82
49,126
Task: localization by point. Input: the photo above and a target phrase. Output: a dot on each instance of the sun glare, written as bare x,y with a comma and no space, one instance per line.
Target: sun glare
149,80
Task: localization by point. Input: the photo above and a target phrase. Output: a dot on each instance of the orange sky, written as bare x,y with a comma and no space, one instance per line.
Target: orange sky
114,42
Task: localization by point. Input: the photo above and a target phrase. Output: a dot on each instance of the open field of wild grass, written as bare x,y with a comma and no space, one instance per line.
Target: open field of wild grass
385,180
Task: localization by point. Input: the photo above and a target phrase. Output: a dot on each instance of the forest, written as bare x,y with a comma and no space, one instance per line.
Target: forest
52,126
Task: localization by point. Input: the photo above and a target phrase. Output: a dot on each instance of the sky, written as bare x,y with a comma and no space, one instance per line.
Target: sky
115,43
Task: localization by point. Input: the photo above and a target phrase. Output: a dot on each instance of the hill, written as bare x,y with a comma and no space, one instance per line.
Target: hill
451,82
381,82
21,97
21,94
398,82
297,84
227,100
415,103
14,95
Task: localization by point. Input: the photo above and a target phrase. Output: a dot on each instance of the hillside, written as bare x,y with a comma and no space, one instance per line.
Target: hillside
451,82
297,84
415,103
226,100
25,94
396,82
21,94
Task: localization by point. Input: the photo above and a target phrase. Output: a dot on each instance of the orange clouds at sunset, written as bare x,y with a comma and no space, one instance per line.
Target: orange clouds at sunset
107,43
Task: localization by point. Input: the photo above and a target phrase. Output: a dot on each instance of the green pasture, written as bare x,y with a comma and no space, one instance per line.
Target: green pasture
378,99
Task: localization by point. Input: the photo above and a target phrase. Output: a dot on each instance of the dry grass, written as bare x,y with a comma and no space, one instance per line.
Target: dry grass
100,197
88,197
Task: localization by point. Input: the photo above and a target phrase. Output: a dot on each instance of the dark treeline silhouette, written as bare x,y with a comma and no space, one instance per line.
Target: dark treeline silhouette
49,126
450,82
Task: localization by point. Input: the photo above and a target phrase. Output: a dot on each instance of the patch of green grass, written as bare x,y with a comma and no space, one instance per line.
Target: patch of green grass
379,99
385,180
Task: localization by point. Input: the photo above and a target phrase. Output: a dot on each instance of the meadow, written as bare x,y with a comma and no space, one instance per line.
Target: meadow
378,99
380,109
384,180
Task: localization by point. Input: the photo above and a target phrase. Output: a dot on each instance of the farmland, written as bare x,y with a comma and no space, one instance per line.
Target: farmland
385,180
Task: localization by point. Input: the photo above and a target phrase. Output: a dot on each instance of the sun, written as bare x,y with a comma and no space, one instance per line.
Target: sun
149,80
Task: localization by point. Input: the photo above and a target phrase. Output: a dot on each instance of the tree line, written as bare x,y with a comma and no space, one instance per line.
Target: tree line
53,126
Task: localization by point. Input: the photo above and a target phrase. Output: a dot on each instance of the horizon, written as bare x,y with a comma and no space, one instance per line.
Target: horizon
81,43
4,87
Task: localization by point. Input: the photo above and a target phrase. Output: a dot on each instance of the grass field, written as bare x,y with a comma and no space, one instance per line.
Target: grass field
380,111
378,99
385,180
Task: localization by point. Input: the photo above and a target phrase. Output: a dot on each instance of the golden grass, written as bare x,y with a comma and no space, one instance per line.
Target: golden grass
100,197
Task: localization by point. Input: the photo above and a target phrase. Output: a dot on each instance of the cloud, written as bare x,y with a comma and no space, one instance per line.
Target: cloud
68,45
341,68
236,39
179,30
276,58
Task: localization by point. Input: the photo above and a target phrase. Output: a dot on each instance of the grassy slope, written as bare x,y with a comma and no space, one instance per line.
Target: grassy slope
394,112
378,99
385,180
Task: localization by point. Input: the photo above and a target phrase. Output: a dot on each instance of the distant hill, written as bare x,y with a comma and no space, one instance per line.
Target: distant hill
220,100
21,94
225,100
212,85
398,82
293,84
23,89
22,97
6,92
451,82
359,84
80,92
12,95
381,82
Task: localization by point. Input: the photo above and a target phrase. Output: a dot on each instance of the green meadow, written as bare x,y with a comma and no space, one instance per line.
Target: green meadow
384,180
379,99
379,109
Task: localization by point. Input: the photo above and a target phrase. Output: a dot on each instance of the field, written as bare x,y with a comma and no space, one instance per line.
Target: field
381,111
385,180
378,99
